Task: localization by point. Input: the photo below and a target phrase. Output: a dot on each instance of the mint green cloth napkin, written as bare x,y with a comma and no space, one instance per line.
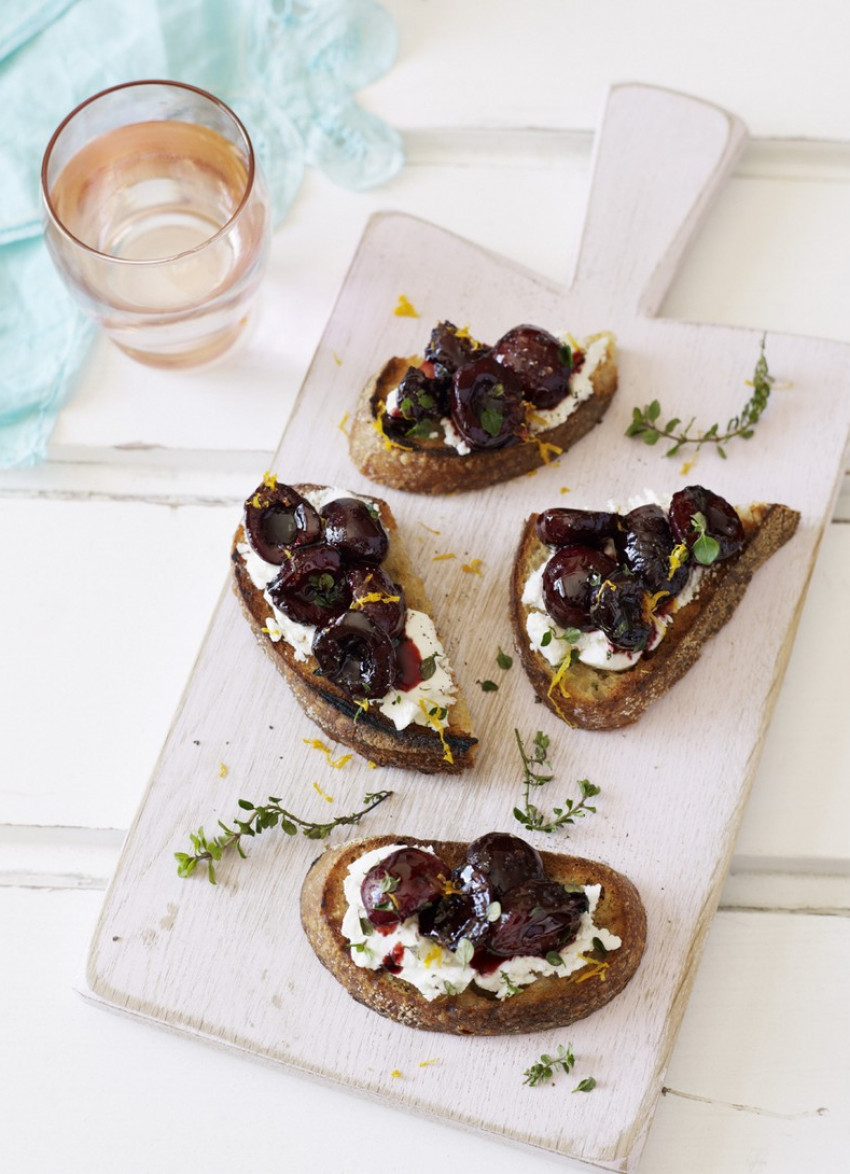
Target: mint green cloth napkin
288,67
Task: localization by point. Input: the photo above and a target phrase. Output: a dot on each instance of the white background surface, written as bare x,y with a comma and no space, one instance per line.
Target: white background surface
116,551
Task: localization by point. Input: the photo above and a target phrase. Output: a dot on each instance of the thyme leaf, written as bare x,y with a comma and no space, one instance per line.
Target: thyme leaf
647,425
207,851
535,765
545,1068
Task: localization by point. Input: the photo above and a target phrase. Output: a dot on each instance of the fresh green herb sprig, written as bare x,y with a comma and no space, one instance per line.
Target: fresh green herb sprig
208,851
546,1067
647,425
535,765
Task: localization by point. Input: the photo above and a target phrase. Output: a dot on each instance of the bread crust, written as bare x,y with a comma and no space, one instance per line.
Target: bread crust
602,700
545,1004
433,467
367,732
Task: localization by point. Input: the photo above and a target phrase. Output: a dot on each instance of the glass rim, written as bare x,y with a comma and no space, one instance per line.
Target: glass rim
131,261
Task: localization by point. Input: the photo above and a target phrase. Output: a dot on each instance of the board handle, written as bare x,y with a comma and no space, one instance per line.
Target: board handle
660,158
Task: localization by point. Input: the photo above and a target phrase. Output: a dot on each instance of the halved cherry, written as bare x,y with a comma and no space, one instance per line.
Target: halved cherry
505,860
647,544
721,520
486,404
537,916
569,579
462,912
620,608
277,519
540,363
355,530
562,526
402,884
375,594
357,655
311,587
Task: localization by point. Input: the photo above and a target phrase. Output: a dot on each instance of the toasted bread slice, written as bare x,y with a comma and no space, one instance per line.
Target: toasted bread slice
546,1003
432,466
433,748
597,699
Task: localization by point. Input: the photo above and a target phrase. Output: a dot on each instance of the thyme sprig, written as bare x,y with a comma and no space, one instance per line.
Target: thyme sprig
208,851
646,423
545,1068
535,765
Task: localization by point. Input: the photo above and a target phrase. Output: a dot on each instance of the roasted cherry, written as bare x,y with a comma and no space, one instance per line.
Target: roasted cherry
419,397
357,655
537,916
402,884
647,545
620,608
541,364
486,404
375,594
462,912
561,526
354,530
722,522
277,519
311,586
447,350
505,860
569,579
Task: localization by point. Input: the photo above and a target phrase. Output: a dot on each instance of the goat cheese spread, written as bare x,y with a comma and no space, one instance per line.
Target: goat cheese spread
402,707
436,971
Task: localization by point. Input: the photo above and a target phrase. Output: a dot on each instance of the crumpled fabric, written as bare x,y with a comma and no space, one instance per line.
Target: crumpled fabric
289,68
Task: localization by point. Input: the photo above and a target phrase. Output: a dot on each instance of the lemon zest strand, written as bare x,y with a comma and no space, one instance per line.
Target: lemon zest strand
434,723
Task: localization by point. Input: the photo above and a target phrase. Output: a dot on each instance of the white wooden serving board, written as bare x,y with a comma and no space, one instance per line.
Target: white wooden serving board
230,963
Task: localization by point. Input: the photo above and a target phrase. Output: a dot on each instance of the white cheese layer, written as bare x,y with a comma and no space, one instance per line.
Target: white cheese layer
426,702
435,971
594,648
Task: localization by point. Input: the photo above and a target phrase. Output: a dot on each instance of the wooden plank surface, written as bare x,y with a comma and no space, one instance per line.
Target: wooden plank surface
702,740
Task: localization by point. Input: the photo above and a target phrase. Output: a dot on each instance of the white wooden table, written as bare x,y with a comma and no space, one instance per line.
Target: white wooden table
116,550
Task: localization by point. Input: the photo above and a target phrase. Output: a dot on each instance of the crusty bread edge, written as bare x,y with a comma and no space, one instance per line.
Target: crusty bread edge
370,734
627,695
444,470
546,1004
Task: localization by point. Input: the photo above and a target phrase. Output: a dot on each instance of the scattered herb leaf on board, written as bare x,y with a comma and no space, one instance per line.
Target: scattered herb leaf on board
208,851
545,1068
535,765
647,425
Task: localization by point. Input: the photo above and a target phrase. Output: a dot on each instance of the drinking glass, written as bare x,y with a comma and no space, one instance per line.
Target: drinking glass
157,217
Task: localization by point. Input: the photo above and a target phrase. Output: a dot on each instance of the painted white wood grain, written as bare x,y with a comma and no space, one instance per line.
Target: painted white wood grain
655,823
120,595
545,64
123,1097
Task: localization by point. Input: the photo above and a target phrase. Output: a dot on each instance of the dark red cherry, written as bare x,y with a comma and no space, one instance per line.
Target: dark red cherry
462,913
486,404
505,860
722,522
569,579
389,611
537,916
355,530
402,884
447,350
311,586
277,519
357,655
540,363
647,543
561,526
620,608
421,397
